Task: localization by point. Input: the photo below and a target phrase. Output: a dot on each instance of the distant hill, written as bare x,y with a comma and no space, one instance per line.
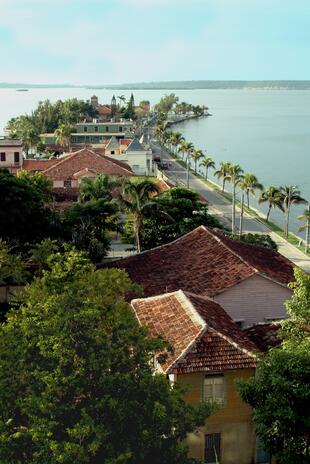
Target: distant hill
191,85
174,85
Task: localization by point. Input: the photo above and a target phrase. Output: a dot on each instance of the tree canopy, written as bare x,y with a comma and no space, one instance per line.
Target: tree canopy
280,391
76,377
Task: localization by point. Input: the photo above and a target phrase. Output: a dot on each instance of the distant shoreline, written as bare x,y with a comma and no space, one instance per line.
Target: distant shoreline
176,85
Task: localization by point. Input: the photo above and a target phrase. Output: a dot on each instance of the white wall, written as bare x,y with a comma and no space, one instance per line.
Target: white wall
254,300
9,152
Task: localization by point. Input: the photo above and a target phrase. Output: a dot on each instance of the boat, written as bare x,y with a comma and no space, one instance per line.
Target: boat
22,90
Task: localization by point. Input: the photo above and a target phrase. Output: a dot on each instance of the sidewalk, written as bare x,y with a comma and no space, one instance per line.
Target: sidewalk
220,207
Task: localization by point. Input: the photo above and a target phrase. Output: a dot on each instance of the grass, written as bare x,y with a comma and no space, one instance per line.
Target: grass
292,239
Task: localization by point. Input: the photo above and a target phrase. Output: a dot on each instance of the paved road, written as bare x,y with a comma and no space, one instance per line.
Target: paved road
221,209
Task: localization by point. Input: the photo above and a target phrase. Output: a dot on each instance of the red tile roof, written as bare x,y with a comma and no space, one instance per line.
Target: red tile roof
67,166
204,337
104,109
264,336
39,165
204,262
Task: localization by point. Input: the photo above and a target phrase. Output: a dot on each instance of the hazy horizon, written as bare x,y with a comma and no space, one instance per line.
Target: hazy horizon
136,41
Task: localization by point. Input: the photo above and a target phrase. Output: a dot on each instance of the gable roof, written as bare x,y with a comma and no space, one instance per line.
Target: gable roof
85,158
112,144
104,109
135,145
203,336
204,262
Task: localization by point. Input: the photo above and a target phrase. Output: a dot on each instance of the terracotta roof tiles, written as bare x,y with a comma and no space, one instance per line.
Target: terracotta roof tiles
204,337
204,262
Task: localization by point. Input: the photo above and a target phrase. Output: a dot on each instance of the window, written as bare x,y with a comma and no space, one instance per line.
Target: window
112,152
120,129
96,128
213,389
212,448
2,156
67,183
107,128
262,456
85,128
16,157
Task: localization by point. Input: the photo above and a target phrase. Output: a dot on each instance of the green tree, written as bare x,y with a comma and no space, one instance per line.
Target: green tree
306,226
166,103
291,196
63,136
207,163
280,393
100,187
178,212
259,239
196,155
76,382
135,199
39,182
235,176
86,226
249,185
274,198
222,172
12,267
23,214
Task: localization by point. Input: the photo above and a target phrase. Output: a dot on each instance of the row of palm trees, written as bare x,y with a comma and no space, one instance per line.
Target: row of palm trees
282,198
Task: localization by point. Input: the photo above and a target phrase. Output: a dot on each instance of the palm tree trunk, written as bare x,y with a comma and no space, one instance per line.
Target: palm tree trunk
307,235
269,209
248,198
287,218
206,173
223,185
187,172
137,233
241,215
233,209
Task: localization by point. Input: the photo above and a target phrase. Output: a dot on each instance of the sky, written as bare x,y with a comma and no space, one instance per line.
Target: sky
126,41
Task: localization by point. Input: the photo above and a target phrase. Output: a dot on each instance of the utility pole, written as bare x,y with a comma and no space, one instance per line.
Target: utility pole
307,230
241,215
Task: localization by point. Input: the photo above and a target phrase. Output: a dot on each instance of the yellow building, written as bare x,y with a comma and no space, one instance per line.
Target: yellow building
210,353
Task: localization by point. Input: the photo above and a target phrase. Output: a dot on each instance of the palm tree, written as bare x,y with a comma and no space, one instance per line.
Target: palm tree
122,99
196,155
63,136
176,139
222,172
183,148
207,163
291,196
235,176
249,185
305,217
274,197
134,198
189,147
97,188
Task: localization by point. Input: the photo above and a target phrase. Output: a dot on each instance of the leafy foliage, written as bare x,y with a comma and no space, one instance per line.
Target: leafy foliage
280,391
259,239
76,382
178,211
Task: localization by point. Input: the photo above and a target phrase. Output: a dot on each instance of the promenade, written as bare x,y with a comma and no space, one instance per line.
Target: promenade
220,208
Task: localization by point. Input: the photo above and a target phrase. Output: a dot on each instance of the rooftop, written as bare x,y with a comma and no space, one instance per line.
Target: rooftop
203,336
204,262
10,142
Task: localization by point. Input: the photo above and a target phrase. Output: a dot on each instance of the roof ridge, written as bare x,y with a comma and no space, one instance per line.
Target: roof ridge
232,251
116,164
189,347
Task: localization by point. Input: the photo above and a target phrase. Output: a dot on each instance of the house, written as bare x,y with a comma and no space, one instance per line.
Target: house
137,155
11,154
210,353
68,171
248,281
89,133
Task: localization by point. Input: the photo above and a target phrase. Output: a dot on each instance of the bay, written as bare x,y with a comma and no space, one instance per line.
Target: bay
266,131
